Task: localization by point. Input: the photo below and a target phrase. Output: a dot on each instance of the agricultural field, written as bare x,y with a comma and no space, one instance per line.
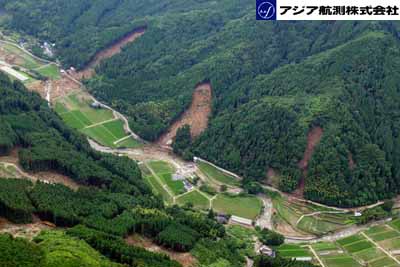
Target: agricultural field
293,251
378,246
18,57
248,207
308,218
216,175
97,123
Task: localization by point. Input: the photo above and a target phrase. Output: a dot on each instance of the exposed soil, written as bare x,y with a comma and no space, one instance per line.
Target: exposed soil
12,157
287,230
196,116
38,87
313,139
28,231
63,87
108,52
352,164
186,259
272,178
48,176
10,58
56,178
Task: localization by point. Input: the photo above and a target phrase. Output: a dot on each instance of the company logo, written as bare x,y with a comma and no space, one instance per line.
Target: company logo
266,10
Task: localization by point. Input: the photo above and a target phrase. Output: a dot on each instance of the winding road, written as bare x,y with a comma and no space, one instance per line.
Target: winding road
151,151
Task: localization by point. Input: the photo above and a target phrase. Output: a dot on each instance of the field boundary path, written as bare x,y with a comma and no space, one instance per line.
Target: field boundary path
161,183
381,248
316,256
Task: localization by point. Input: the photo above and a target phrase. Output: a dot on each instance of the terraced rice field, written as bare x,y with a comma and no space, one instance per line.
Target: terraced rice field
97,123
308,218
378,246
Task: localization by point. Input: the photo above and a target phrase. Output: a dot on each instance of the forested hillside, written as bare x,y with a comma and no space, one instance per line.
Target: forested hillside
112,202
272,83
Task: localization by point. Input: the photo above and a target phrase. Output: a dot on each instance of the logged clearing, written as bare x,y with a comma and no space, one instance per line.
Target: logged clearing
10,164
28,231
186,259
108,52
196,116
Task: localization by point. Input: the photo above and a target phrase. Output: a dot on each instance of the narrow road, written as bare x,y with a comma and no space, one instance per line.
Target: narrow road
100,123
316,256
265,219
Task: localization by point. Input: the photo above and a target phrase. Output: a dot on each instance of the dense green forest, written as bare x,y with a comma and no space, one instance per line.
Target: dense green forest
112,201
272,83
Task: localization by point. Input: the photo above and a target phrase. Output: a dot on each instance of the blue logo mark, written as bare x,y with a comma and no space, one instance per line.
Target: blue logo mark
266,9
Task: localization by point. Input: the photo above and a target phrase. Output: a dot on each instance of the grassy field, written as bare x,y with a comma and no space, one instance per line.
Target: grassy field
215,174
51,71
158,189
98,124
165,171
161,167
243,206
196,199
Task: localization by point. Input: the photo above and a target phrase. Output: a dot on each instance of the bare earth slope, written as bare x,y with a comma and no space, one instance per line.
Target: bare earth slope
108,52
196,116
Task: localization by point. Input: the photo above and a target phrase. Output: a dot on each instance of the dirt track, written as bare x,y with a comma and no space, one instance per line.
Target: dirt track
196,116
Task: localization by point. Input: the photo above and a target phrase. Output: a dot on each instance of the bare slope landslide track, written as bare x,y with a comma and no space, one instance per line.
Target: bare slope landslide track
196,116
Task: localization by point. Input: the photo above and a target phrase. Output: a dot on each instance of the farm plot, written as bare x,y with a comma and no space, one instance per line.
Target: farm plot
368,247
216,175
308,218
292,251
97,123
248,207
15,56
334,256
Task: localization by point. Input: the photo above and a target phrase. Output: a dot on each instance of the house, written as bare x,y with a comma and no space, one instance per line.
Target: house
302,258
265,250
95,105
188,186
222,218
